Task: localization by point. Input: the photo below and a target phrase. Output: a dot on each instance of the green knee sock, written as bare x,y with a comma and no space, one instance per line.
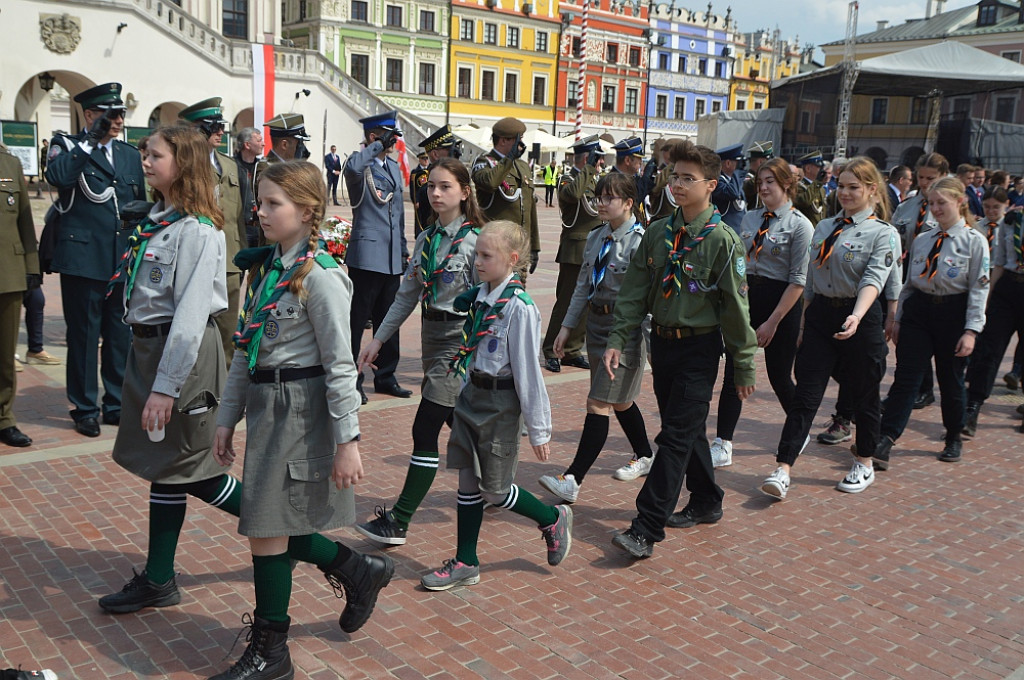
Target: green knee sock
272,578
524,503
422,469
314,549
470,516
166,515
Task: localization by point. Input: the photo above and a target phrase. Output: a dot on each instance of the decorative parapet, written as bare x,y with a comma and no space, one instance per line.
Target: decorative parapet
689,83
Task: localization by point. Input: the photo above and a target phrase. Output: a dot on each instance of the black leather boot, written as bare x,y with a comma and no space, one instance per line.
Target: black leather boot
971,419
266,657
952,452
359,578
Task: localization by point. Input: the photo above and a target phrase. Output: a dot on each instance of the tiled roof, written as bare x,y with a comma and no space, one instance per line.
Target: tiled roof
939,26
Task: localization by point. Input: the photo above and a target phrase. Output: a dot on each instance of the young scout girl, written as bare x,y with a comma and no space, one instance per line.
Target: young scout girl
502,386
852,256
442,271
292,374
173,273
941,310
996,204
775,239
605,260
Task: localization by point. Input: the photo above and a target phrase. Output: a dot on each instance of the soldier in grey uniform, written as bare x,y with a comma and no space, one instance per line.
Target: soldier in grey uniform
20,271
377,249
207,117
95,174
810,195
579,218
504,182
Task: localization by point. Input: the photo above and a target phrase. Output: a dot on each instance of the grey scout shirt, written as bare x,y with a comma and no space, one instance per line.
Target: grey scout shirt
510,349
784,252
1004,254
304,331
963,268
173,285
863,255
905,220
625,241
459,275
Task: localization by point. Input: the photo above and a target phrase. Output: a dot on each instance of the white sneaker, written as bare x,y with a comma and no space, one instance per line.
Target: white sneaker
563,486
721,453
777,484
857,479
638,467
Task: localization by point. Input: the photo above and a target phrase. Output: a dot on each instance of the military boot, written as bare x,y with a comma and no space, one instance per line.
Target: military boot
359,579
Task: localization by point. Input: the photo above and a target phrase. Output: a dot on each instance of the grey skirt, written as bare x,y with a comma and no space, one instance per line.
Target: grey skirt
485,436
289,454
186,452
441,340
630,373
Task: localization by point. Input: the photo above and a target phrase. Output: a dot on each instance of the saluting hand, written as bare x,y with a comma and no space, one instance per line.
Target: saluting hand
348,466
223,445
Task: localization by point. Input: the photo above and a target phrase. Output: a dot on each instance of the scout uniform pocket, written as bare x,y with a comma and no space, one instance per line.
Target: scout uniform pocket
309,488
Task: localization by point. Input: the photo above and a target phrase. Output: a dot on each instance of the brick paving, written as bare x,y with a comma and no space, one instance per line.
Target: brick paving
919,577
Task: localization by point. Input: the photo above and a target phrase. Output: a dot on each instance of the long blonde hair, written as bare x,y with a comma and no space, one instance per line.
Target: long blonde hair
514,239
302,183
865,170
954,190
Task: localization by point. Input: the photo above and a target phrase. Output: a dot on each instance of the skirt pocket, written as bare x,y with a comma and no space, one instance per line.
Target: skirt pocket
310,486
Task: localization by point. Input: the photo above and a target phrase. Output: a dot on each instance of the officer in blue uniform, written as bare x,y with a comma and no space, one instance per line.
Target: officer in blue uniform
96,174
377,249
629,158
728,195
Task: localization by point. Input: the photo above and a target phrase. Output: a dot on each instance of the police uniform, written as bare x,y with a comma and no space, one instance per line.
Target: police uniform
765,150
810,194
776,260
207,116
728,194
20,259
418,178
863,254
504,186
89,246
579,219
443,143
377,246
945,295
687,330
634,146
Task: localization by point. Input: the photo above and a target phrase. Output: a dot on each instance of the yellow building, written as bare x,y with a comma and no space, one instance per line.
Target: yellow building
504,61
760,58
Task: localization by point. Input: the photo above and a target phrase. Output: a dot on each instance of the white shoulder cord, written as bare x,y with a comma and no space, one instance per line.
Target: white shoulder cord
371,188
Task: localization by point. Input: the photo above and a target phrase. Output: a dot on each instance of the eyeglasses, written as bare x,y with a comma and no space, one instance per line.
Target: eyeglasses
606,200
687,182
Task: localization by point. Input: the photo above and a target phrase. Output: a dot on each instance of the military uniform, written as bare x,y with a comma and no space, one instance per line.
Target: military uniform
441,144
728,194
20,258
634,146
689,323
810,194
282,126
90,242
417,180
579,218
661,201
504,185
764,150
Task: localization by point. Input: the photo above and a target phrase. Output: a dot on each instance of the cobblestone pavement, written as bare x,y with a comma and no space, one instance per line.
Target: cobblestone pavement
919,577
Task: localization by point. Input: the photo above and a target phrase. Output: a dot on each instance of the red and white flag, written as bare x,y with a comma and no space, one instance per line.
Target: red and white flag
403,159
263,90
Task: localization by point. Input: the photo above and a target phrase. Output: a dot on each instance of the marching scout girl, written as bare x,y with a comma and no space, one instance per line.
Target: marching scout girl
775,240
852,256
173,274
941,311
292,374
443,271
606,257
502,386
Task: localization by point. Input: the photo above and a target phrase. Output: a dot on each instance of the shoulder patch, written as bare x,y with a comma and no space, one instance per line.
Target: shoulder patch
203,219
741,265
325,261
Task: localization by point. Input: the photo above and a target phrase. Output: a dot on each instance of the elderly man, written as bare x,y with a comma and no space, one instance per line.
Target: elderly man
248,148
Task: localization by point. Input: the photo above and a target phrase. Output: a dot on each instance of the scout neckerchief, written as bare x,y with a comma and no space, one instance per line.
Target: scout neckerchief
829,244
479,321
671,281
430,268
600,265
136,251
931,263
755,247
991,233
270,283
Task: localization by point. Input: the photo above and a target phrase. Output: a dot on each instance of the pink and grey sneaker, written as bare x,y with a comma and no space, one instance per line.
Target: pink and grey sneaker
452,573
558,536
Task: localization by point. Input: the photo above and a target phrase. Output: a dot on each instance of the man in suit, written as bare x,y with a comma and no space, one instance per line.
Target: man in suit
207,117
377,249
810,192
900,179
504,182
19,271
441,144
965,173
728,194
332,165
94,173
579,217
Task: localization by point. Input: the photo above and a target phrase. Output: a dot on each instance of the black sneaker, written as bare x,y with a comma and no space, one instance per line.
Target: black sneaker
691,517
636,545
18,674
952,453
359,579
971,419
383,529
140,593
266,657
924,399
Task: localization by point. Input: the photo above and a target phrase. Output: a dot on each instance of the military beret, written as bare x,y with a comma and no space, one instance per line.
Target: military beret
508,127
106,96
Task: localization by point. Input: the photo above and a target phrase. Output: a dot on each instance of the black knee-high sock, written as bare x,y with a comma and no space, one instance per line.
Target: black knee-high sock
224,493
632,422
592,439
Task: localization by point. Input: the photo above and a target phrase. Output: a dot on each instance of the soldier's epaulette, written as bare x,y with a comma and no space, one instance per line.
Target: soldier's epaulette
326,261
524,296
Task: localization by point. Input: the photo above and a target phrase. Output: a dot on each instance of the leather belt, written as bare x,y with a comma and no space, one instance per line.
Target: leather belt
837,302
672,333
276,375
490,382
943,299
441,315
141,330
601,309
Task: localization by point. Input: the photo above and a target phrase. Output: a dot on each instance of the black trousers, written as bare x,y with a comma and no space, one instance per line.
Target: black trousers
858,364
372,295
332,186
684,373
1003,318
928,329
779,355
549,194
34,302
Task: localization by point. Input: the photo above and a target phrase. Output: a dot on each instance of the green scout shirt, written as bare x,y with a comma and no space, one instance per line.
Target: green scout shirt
719,262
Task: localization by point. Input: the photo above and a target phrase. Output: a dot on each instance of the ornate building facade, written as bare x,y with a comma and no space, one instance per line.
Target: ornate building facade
760,58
